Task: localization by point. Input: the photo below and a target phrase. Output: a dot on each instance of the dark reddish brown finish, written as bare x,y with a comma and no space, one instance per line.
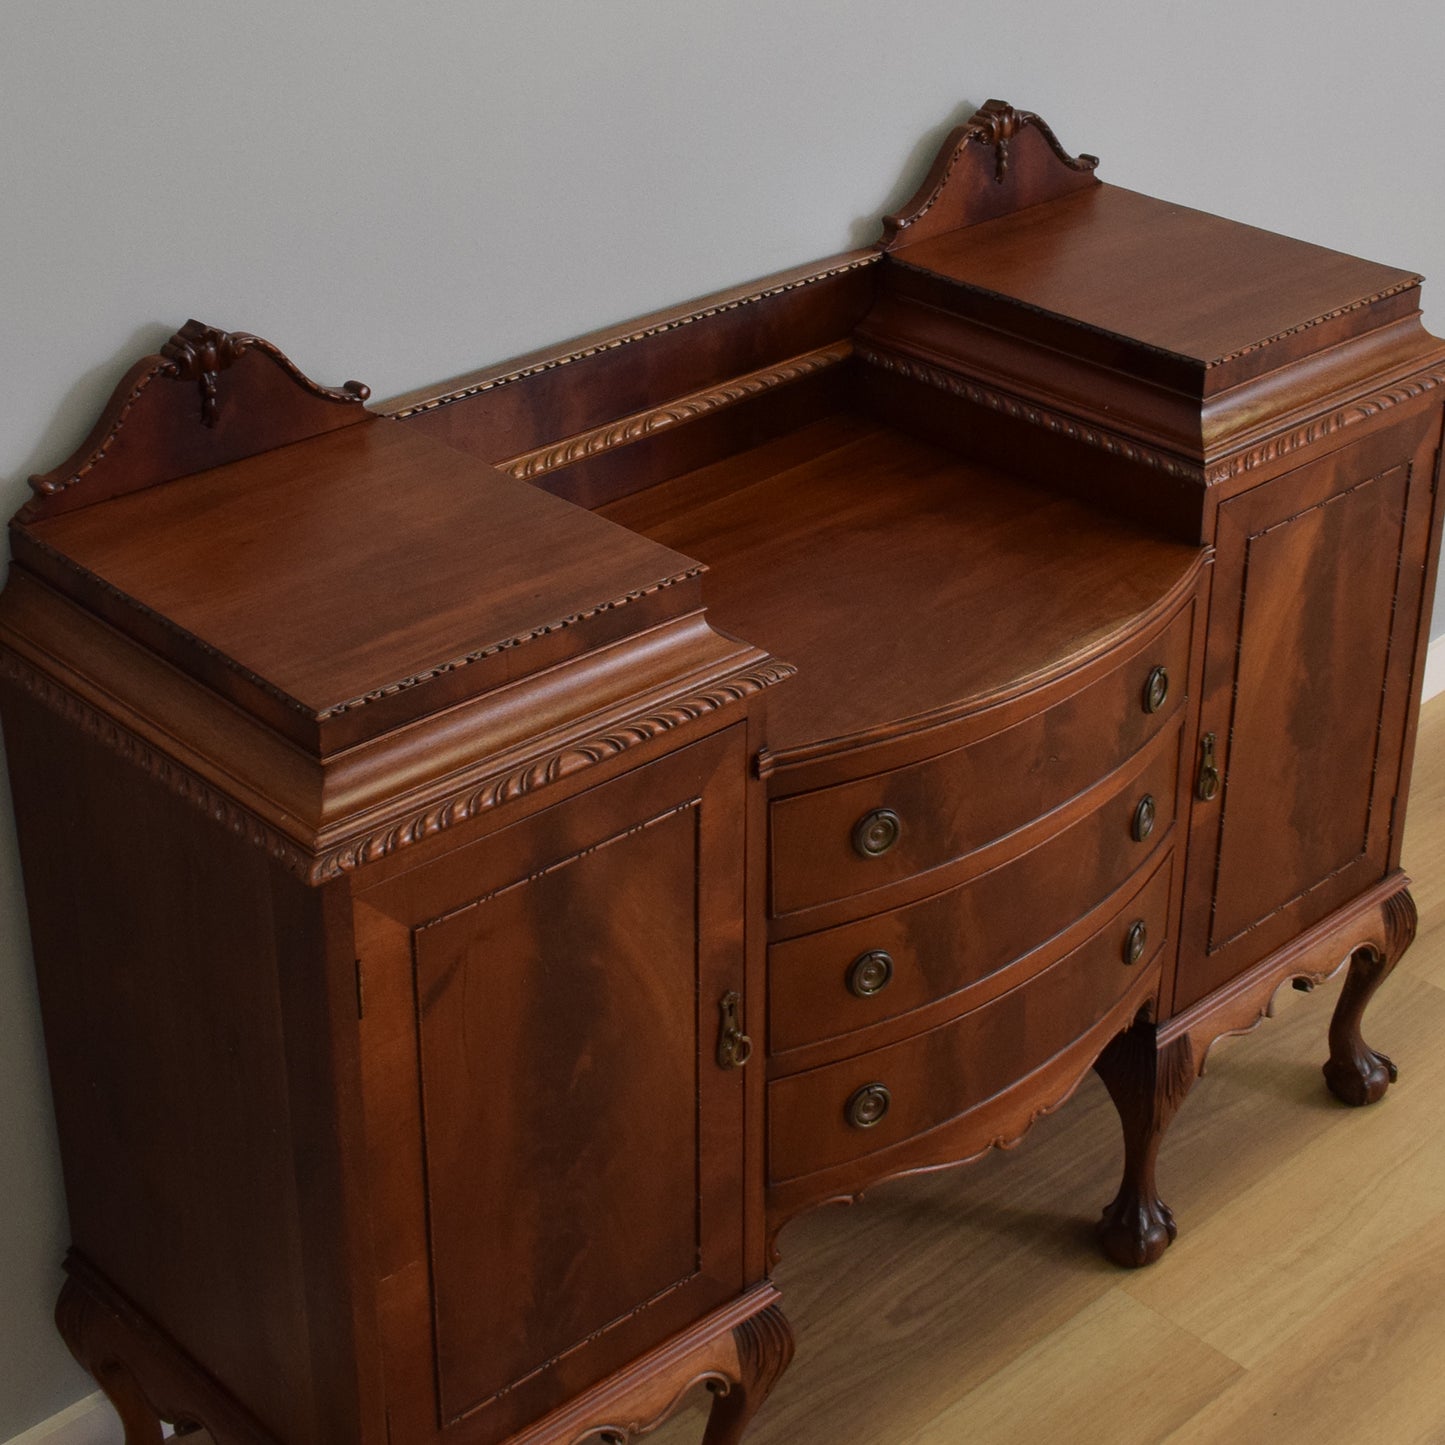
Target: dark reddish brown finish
972,941
1147,1083
1121,293
946,805
765,1349
1309,693
209,398
943,1072
1356,1073
396,835
355,582
226,991
877,552
559,988
536,400
998,161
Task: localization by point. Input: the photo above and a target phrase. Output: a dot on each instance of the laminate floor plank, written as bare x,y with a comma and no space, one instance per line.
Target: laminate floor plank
1115,1366
1369,1368
1279,1253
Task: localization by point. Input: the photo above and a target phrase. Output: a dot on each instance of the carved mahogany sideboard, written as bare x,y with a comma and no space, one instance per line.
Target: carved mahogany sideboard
494,861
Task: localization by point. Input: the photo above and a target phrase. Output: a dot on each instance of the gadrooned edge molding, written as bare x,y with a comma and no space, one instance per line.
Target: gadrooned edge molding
457,807
551,768
1250,459
389,689
1031,412
691,407
642,334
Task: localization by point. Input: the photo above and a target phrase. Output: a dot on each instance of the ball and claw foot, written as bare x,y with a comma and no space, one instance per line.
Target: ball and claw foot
1357,1074
1148,1082
1134,1232
1362,1079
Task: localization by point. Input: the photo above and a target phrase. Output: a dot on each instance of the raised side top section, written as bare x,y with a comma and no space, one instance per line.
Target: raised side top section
354,582
209,397
999,161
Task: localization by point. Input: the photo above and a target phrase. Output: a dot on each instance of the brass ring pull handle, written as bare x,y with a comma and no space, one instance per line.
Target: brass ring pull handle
876,832
870,973
1206,787
734,1047
1156,689
1144,816
868,1106
1134,941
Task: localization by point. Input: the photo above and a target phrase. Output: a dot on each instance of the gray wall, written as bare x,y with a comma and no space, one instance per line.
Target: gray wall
402,192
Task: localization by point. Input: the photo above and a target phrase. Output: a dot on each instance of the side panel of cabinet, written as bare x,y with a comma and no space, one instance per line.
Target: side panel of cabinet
1309,685
556,1149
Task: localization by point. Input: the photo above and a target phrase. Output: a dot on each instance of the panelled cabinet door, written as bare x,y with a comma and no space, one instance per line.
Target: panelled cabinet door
1309,673
555,1146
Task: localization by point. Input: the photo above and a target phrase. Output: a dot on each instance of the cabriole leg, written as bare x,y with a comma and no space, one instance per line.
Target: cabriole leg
1147,1082
1356,1073
82,1323
765,1346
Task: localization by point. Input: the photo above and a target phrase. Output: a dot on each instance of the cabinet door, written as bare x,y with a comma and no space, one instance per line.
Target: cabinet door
1309,685
556,1151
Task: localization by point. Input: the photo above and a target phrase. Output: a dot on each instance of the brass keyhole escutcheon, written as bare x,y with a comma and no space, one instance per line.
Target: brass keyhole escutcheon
1156,689
1134,941
1207,785
1144,816
870,973
876,832
868,1106
734,1047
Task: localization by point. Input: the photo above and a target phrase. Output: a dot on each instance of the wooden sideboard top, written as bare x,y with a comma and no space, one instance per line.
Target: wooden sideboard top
367,565
908,585
1162,277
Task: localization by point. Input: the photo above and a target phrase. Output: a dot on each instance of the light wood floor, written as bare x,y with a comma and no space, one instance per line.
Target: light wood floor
1303,1302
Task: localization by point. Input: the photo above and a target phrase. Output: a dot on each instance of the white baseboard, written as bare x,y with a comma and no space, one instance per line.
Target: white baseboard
1434,669
90,1421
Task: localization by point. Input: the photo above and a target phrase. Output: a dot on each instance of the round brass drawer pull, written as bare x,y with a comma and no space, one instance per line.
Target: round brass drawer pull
1144,816
1156,689
876,832
868,1106
870,973
1134,941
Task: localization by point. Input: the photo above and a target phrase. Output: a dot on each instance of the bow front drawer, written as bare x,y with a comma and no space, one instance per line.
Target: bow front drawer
858,837
873,1101
979,937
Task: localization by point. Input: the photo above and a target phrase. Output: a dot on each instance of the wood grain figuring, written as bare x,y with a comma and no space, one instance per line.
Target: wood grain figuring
1013,916
563,391
946,806
941,1073
878,537
484,980
1302,1304
1000,160
1321,567
1140,275
556,997
216,1255
460,962
537,463
346,575
172,414
1278,689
